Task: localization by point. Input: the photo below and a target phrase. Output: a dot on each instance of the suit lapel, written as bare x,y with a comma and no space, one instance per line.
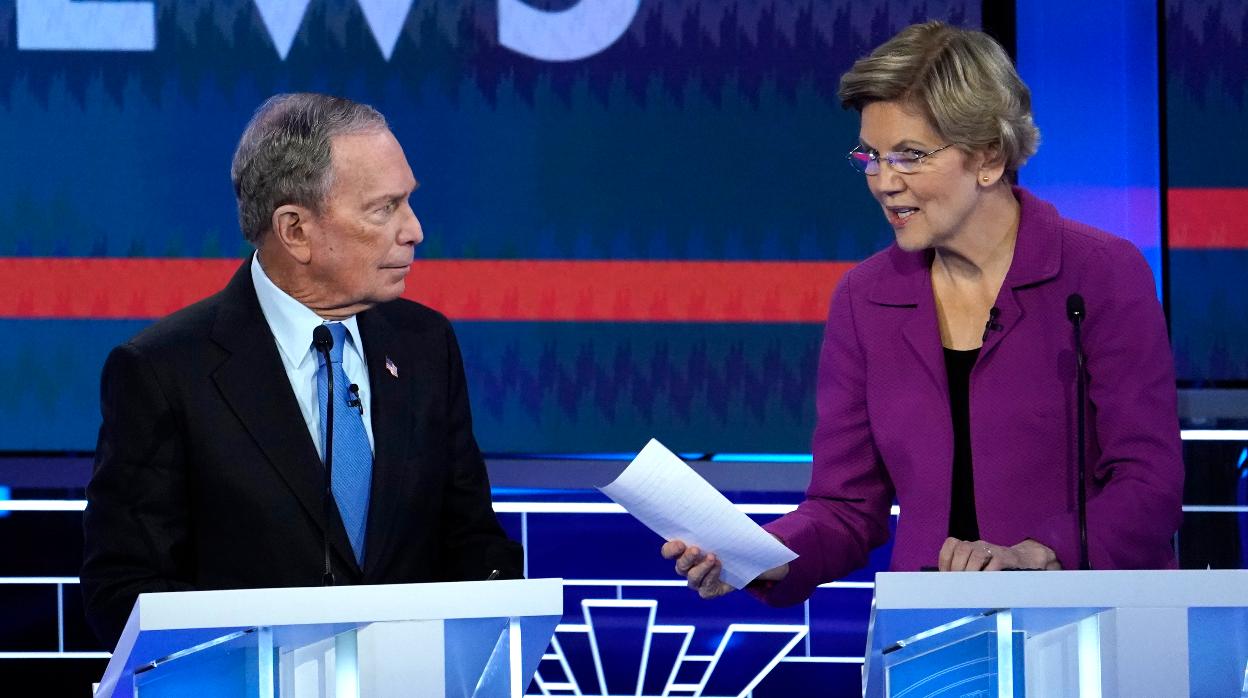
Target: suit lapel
253,382
1037,259
907,283
1010,313
391,415
922,333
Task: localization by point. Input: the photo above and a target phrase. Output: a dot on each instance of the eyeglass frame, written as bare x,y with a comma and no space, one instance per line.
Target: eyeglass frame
892,158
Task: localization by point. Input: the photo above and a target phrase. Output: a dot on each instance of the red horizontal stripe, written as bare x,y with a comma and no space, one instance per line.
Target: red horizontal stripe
1208,218
465,290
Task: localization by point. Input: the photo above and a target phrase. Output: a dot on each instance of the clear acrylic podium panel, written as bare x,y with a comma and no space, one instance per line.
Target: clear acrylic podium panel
1218,651
459,657
1062,652
431,640
978,652
1069,652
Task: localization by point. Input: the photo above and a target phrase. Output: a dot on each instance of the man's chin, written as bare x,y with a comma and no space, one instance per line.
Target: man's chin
391,292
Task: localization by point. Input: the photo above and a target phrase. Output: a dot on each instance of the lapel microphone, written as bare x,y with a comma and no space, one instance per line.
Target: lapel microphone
1076,313
992,325
324,342
354,400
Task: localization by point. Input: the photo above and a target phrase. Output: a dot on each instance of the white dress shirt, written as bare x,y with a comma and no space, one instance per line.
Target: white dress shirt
292,324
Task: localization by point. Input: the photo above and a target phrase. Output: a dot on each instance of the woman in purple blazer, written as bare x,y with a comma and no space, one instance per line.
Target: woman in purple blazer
947,378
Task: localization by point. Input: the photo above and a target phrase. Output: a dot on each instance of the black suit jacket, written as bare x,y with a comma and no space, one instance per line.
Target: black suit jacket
206,476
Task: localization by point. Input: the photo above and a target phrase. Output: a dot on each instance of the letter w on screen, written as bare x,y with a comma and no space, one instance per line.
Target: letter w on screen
62,25
583,30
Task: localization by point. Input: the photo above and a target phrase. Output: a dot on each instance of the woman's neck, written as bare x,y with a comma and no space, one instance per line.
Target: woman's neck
984,248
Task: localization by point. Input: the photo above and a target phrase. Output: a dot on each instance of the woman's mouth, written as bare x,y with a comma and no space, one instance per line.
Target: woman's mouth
899,215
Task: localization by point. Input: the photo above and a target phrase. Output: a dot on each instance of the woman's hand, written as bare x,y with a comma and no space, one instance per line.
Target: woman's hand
702,570
975,556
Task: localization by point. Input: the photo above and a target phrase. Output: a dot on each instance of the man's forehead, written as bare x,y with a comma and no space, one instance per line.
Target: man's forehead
362,143
369,159
370,151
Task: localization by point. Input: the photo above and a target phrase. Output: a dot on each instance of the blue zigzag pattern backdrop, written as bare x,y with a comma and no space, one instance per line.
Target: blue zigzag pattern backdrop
1206,108
709,131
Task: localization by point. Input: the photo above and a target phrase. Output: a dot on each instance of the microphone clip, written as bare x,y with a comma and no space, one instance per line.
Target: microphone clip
354,400
992,325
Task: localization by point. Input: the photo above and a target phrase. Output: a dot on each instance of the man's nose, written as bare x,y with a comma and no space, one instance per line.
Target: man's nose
410,231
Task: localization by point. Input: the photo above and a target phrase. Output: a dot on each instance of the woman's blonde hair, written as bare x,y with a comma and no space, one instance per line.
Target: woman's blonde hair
961,80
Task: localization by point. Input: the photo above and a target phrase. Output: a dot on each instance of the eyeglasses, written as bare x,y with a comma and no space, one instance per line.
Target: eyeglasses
905,162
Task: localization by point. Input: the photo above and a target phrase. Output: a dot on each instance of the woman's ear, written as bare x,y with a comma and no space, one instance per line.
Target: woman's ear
990,167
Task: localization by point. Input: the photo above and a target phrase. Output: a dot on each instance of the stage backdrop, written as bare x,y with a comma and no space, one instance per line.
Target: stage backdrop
1207,151
635,210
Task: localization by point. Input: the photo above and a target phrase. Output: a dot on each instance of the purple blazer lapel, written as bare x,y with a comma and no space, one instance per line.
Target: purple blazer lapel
907,284
1037,259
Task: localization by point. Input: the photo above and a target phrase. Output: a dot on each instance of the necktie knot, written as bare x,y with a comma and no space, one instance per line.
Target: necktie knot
338,331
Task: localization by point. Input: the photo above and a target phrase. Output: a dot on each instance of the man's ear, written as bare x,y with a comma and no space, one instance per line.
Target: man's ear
293,226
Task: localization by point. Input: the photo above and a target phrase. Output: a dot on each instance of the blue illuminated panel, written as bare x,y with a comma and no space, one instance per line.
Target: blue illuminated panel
1094,94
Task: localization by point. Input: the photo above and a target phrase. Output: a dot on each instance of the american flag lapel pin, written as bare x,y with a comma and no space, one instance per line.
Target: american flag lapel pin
394,370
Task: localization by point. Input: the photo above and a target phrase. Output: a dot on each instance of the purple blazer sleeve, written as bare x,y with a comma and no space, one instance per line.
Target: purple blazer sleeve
1134,452
845,513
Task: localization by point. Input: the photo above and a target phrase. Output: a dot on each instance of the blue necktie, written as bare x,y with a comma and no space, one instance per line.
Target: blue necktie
353,458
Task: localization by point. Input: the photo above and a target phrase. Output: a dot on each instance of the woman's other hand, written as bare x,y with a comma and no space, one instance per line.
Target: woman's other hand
702,569
975,556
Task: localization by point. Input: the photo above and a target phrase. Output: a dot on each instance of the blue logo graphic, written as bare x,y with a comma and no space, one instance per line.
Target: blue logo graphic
619,650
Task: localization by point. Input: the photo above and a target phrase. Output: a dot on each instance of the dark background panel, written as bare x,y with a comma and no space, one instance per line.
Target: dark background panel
63,678
40,544
838,621
1209,315
1206,106
31,623
1206,83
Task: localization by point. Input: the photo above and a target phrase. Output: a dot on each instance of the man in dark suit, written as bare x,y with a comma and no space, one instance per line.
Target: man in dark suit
210,467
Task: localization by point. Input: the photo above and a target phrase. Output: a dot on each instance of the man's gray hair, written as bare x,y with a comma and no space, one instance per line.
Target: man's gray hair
284,154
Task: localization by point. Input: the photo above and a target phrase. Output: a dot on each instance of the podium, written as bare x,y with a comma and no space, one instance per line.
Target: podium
443,639
1164,633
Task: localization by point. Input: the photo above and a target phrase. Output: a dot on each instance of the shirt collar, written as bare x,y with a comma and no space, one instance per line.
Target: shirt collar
292,322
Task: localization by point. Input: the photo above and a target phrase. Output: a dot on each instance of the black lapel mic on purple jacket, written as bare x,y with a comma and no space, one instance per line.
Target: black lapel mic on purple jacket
324,341
992,325
1076,312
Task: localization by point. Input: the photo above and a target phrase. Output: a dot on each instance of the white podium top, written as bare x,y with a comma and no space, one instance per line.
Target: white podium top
1065,589
347,604
161,624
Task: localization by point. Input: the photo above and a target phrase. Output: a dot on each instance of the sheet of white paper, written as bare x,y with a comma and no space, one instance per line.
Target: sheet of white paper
666,495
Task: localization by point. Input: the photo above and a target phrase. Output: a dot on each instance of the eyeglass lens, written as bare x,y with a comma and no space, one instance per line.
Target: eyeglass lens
902,162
